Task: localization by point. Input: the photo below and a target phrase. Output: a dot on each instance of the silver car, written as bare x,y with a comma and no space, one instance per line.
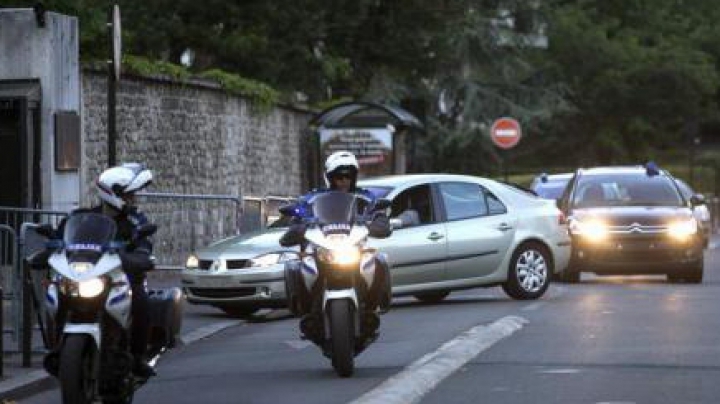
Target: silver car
456,232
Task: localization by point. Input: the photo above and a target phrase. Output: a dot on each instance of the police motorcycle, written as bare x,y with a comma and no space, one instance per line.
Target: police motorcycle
89,295
329,284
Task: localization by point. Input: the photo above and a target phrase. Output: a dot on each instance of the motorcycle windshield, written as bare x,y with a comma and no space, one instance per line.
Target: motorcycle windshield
90,232
335,208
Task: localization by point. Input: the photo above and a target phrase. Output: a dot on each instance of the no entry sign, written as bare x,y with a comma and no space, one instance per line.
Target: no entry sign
505,133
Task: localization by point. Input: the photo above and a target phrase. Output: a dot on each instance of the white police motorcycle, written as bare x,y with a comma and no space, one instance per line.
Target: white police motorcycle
329,284
90,296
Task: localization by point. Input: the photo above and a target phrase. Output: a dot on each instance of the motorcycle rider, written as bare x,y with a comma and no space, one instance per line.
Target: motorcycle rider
116,188
341,171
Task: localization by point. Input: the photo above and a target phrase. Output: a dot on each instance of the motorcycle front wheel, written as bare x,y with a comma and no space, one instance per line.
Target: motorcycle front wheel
342,336
76,376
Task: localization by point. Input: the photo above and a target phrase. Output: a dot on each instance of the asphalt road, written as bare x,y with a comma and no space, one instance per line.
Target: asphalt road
606,340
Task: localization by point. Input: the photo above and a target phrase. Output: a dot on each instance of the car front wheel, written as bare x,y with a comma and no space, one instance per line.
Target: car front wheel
529,272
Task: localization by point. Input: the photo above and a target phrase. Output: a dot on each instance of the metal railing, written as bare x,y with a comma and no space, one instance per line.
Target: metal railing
187,222
16,243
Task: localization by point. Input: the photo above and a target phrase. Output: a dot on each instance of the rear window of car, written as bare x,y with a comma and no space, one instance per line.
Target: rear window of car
626,190
550,189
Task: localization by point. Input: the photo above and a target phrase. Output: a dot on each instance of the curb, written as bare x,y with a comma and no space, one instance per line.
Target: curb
39,380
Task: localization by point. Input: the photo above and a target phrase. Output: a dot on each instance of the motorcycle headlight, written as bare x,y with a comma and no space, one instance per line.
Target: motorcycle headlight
91,288
343,256
682,230
192,262
593,229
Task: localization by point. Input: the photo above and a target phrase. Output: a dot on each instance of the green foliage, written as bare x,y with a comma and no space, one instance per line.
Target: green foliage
146,67
621,80
264,95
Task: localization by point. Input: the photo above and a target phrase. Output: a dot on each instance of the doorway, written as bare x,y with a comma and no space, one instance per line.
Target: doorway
19,144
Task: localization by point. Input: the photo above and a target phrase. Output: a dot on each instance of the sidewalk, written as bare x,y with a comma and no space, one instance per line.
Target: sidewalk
18,381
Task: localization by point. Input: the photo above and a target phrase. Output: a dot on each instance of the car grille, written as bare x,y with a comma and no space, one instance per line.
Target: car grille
205,264
639,247
638,229
236,264
222,293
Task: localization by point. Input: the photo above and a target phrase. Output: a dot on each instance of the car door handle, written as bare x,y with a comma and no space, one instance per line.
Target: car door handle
504,227
435,236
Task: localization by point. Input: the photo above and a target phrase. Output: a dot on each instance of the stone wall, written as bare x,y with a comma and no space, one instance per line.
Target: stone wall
197,139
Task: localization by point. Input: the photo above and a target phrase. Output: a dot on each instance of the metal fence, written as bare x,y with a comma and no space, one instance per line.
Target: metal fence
187,222
17,241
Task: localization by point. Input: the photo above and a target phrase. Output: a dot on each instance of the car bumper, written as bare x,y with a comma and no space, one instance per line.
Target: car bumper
261,288
636,255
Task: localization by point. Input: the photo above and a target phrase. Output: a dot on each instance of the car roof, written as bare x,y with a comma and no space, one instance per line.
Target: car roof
405,180
543,178
636,169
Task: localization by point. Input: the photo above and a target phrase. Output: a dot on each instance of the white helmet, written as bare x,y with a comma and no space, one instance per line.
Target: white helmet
116,182
341,162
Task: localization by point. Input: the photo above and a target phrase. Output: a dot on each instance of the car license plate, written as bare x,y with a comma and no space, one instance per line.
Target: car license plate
215,282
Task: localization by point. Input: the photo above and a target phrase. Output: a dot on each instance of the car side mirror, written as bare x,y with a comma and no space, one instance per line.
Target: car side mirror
381,204
45,230
146,230
697,199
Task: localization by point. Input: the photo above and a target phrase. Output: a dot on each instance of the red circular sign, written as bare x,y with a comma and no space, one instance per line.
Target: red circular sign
505,133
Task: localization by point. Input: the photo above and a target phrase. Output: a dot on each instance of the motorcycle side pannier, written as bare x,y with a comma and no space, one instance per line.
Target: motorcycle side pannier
166,307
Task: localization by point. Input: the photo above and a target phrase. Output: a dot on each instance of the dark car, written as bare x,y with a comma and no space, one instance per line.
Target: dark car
550,186
631,220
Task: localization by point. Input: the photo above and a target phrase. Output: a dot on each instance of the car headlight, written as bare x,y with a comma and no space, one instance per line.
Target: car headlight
266,260
192,262
681,230
91,288
593,230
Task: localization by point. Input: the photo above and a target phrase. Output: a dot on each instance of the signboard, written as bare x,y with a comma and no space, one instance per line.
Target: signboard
372,147
506,133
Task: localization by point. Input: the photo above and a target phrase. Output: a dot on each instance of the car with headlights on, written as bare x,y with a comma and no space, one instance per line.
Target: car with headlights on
627,220
239,275
453,232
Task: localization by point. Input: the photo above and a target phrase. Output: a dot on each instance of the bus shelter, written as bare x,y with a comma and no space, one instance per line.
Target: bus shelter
380,136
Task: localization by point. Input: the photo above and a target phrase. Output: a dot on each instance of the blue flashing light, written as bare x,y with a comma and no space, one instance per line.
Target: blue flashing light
652,169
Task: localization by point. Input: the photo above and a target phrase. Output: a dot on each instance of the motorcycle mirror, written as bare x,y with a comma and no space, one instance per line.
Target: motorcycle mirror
697,199
45,230
287,210
381,204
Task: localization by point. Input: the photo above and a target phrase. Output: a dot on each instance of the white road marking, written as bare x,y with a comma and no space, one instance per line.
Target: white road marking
298,344
616,402
559,371
421,376
208,330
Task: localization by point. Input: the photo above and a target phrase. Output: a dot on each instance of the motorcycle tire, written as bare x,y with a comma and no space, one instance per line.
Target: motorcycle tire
342,336
76,376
